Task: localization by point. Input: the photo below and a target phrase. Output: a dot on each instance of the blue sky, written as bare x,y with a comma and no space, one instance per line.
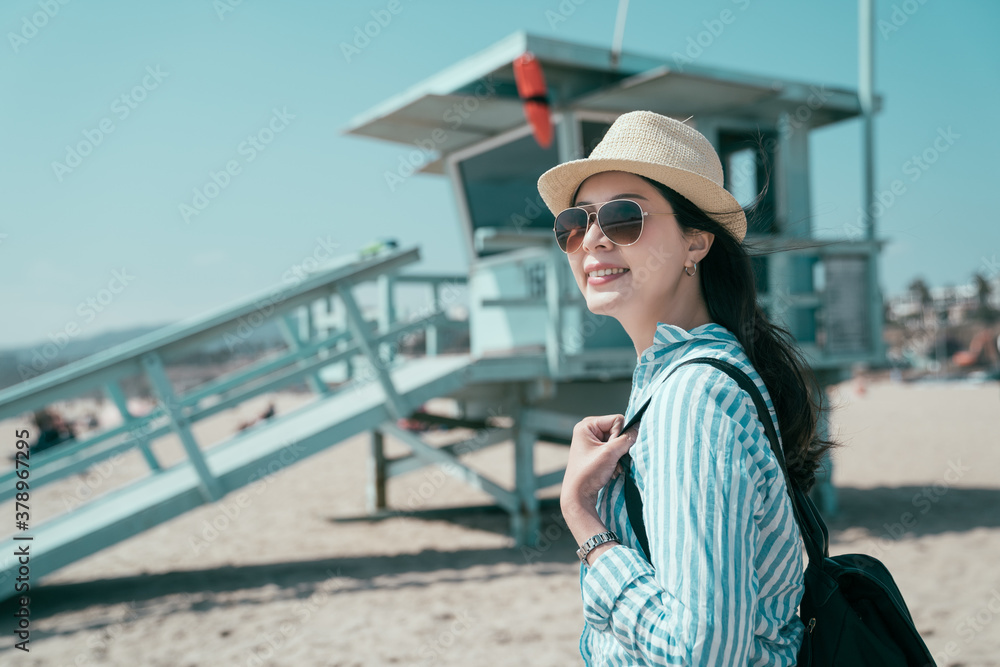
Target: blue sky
198,80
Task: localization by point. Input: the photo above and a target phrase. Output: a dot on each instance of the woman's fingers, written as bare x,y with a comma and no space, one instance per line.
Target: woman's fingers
593,459
603,427
616,426
622,443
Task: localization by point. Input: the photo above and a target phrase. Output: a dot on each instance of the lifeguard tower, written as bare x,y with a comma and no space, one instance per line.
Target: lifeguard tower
538,357
468,124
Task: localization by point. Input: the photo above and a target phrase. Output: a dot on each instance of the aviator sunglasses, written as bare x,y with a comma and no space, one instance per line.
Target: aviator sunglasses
620,221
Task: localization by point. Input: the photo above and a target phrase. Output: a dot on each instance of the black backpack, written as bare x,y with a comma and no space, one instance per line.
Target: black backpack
852,610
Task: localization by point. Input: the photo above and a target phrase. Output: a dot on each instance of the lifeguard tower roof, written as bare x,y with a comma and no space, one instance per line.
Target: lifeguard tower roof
585,77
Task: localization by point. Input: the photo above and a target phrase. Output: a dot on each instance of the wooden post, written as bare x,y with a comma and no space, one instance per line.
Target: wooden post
525,523
376,473
553,298
824,493
431,332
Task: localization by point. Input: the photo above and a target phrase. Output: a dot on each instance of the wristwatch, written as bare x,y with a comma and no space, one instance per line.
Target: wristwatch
595,541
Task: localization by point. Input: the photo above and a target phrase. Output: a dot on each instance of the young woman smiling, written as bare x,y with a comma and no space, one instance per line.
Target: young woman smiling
655,241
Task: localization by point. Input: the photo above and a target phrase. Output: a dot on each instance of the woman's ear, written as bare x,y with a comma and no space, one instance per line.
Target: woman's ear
699,243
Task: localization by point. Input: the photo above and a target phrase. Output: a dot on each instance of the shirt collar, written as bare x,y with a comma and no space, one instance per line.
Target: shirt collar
669,342
669,337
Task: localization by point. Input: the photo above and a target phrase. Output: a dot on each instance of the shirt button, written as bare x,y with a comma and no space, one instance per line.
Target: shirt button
650,356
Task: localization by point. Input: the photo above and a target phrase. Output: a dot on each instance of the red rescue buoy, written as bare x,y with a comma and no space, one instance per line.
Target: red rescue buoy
531,89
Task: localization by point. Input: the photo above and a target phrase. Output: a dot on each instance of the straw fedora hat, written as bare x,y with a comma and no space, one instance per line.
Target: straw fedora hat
657,147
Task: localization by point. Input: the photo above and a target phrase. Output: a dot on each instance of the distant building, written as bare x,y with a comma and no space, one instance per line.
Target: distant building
949,304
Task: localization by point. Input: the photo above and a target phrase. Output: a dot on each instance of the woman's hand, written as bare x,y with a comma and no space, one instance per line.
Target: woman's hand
593,461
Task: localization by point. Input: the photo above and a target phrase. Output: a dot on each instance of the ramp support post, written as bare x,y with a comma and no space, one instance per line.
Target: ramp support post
393,401
114,392
387,312
294,341
525,523
553,300
211,489
431,332
376,473
824,493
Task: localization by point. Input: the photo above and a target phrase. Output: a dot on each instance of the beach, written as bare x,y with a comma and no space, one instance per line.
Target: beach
288,571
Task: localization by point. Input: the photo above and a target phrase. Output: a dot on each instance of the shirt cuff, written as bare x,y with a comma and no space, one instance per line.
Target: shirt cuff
605,581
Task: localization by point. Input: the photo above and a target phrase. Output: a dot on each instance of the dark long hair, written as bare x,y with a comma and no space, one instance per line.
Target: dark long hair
730,292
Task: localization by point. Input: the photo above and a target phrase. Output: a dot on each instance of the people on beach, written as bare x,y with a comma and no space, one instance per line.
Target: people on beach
53,429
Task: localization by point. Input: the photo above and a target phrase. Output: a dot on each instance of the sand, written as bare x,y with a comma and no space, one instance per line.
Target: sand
288,575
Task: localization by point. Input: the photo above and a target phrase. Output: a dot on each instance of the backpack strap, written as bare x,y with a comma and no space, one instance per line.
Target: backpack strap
814,531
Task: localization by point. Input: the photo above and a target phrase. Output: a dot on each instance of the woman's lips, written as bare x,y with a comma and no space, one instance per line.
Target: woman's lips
603,280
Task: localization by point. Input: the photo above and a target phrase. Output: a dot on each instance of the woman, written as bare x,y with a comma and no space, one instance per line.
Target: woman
725,575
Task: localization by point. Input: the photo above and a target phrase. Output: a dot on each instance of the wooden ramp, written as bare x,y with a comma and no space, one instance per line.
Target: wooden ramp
245,458
324,329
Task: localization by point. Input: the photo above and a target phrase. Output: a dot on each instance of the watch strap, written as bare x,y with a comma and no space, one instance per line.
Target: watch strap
596,541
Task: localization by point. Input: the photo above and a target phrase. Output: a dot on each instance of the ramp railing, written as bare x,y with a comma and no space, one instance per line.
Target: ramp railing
309,349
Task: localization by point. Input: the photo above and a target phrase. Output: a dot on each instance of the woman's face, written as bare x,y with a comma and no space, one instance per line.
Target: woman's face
648,284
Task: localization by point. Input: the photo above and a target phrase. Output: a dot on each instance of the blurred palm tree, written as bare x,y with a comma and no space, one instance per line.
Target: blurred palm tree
920,290
923,293
984,311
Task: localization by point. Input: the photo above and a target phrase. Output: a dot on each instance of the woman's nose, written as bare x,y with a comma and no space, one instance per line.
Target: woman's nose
594,236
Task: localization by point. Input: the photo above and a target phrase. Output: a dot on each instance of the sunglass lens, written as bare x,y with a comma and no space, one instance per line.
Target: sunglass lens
621,221
571,226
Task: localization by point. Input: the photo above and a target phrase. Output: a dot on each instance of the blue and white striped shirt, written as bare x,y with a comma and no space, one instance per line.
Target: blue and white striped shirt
727,568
